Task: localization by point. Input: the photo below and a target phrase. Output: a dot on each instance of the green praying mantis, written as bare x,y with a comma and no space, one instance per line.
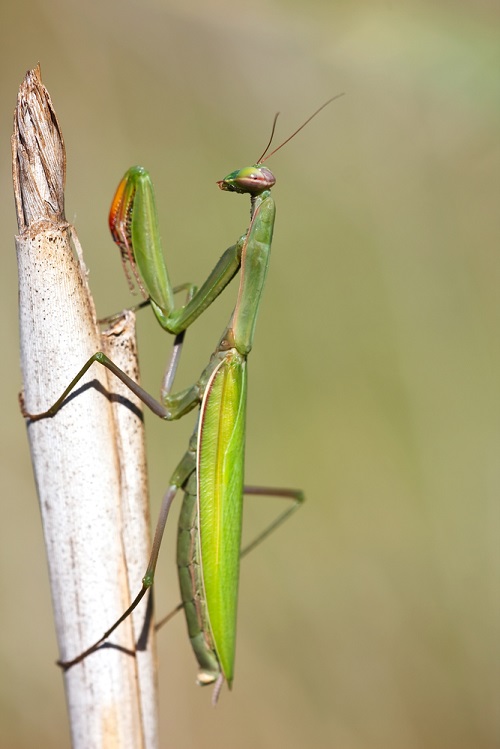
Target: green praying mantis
211,472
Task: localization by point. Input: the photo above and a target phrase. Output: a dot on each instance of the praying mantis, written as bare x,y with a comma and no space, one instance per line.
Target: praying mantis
211,471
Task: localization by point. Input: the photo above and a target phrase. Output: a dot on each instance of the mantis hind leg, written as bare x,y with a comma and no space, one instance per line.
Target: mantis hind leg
181,474
264,491
298,498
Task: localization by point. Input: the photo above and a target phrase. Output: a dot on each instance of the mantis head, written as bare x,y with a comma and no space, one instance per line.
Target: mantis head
255,179
251,179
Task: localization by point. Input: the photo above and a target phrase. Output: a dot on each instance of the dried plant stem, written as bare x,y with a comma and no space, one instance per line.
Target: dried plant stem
88,459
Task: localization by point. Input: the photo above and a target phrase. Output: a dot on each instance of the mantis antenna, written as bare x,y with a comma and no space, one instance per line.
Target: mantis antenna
262,159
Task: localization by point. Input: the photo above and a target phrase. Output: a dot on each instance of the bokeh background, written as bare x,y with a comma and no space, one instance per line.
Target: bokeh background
371,620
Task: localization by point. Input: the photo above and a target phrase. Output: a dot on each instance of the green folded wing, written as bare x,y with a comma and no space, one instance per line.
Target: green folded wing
221,447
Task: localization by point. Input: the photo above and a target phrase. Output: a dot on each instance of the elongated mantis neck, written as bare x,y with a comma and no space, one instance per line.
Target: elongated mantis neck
256,200
254,265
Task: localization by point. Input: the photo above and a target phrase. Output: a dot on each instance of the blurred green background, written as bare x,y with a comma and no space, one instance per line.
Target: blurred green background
371,620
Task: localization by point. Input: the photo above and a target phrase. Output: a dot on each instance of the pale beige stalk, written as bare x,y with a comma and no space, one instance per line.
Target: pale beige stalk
90,479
